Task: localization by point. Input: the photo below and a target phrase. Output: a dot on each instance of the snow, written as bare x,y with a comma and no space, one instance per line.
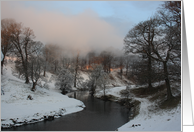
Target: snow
112,91
154,121
162,121
85,76
148,119
16,109
117,81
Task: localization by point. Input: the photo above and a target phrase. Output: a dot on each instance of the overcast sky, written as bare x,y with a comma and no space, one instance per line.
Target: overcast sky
82,25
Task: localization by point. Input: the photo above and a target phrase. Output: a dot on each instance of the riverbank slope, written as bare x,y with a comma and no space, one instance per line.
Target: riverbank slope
151,112
19,105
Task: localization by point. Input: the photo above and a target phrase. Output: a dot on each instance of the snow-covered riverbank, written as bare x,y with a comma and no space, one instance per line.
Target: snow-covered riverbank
47,102
17,110
150,118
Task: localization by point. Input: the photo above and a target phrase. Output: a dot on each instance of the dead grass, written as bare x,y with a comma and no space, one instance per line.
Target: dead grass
131,79
161,99
145,91
169,104
111,77
158,96
123,80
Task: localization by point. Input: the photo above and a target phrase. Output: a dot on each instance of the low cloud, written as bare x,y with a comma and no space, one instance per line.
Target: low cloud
85,31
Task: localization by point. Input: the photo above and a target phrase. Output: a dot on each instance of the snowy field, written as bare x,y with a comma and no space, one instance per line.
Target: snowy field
16,109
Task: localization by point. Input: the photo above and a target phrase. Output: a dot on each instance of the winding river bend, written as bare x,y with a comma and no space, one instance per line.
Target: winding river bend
97,116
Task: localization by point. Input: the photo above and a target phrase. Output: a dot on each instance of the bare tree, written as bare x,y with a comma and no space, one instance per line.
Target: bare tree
170,17
103,81
75,69
65,61
35,70
45,54
6,45
162,44
170,13
94,76
22,40
121,65
140,39
106,60
53,53
90,58
82,62
168,47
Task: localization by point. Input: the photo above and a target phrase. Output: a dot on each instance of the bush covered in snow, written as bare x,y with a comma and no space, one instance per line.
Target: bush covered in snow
64,81
98,78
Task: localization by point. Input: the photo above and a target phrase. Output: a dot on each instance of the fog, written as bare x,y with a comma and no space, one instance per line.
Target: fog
84,32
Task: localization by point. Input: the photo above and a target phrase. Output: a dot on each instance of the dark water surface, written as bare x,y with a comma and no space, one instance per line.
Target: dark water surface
97,116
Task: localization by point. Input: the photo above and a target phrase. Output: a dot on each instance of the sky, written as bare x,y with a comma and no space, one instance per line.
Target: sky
80,25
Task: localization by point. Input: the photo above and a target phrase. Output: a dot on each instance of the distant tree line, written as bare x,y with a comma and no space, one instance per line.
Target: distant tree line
34,59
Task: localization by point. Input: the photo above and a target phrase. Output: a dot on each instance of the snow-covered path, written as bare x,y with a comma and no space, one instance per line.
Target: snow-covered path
149,119
154,121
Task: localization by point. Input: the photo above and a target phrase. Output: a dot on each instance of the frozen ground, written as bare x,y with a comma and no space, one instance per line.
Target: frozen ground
16,109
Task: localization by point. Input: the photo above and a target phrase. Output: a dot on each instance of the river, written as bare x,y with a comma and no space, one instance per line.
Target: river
97,116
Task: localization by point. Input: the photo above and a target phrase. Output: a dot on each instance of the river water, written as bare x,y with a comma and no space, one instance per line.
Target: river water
97,116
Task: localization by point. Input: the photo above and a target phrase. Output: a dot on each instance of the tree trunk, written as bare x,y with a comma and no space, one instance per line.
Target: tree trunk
26,74
2,63
127,70
121,71
44,72
92,89
76,69
26,65
169,93
33,86
104,90
75,77
109,68
149,63
27,80
149,72
75,81
55,66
